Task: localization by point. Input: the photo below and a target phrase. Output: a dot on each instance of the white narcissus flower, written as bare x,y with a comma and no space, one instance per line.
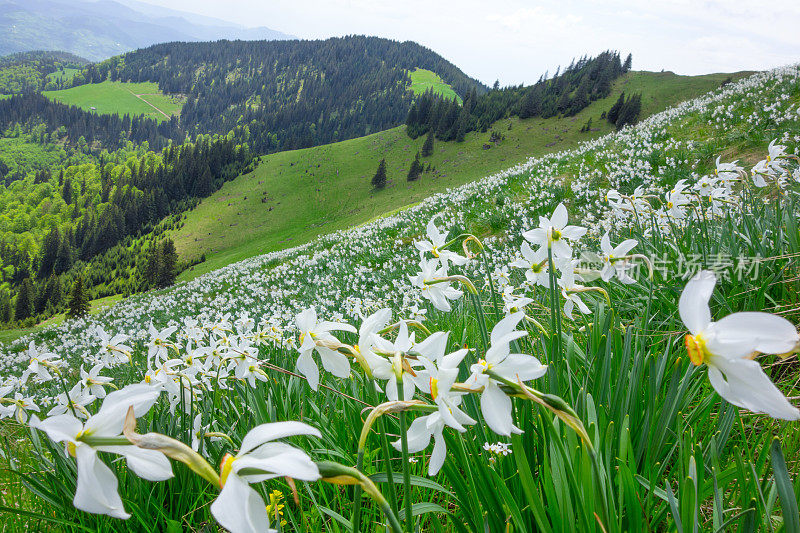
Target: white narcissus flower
93,382
705,185
495,404
570,290
675,201
554,233
77,401
239,508
513,303
384,366
317,336
614,262
159,346
727,348
113,350
438,383
439,294
435,244
535,265
369,329
18,406
728,173
96,490
41,364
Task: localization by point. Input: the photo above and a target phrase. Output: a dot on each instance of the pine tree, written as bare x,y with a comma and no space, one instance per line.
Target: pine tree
151,265
63,258
66,191
379,179
613,113
427,146
24,305
78,300
49,253
168,268
415,170
628,63
5,307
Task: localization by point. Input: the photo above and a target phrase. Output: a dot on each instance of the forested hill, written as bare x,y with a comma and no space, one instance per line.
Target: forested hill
34,71
290,94
565,94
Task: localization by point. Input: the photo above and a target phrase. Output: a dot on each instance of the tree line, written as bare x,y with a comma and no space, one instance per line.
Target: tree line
77,126
566,93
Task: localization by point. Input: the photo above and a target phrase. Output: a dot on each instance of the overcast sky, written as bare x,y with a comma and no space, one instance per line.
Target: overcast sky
515,41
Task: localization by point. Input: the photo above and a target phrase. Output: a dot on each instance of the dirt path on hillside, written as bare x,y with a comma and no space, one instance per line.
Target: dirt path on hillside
139,96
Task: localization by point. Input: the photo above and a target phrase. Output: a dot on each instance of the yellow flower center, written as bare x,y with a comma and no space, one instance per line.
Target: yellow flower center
71,449
486,366
434,388
554,234
435,252
225,468
696,347
670,205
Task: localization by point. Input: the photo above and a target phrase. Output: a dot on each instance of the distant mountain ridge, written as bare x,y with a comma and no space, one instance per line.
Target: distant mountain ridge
100,29
289,94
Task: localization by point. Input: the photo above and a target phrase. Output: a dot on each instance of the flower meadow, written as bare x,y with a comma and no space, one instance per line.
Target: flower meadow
602,339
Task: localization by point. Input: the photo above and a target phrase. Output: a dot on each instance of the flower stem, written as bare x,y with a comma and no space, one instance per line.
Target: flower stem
356,520
66,393
491,284
555,318
406,474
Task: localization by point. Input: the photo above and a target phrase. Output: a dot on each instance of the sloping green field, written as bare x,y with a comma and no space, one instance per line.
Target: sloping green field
294,196
115,97
423,80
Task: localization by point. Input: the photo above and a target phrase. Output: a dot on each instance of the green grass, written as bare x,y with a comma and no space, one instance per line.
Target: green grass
423,80
115,97
8,335
326,188
65,75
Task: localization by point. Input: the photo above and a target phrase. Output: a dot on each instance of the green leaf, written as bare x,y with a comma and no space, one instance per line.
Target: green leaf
336,516
417,481
791,518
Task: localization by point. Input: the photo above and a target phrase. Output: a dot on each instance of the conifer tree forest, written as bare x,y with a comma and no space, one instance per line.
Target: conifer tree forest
566,93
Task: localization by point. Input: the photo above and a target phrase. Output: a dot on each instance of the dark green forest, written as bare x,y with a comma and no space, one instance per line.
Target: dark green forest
286,94
566,93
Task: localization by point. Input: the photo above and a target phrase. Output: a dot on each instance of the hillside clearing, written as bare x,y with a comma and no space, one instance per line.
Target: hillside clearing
423,80
120,98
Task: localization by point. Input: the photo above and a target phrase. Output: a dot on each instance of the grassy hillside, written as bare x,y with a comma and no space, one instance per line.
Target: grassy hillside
112,97
423,80
64,75
294,196
632,425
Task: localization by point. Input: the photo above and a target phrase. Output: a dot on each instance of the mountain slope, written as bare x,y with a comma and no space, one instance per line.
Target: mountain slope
294,196
288,94
97,30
